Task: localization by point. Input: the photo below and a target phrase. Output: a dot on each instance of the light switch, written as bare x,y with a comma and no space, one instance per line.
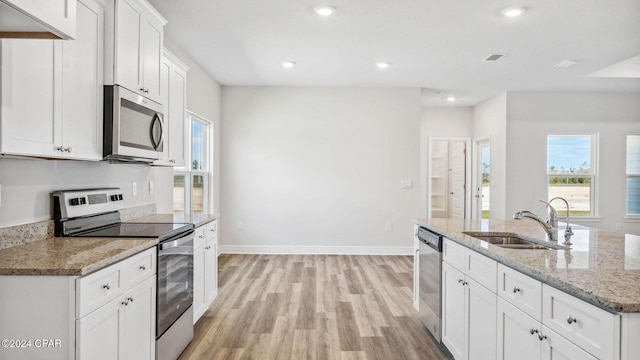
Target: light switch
406,184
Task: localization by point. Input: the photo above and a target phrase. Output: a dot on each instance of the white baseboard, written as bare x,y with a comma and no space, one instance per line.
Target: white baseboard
315,250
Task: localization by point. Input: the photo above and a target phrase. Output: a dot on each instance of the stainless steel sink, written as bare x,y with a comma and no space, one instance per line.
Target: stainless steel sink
507,240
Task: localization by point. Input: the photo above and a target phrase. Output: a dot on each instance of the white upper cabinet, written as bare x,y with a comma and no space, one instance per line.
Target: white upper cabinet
134,55
38,18
52,92
173,89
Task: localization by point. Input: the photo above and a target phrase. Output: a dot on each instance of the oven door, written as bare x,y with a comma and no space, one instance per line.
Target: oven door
175,280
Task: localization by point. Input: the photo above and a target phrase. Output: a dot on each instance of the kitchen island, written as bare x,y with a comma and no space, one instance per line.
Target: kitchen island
600,271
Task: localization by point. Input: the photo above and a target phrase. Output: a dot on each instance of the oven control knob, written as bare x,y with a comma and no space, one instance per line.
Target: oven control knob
82,200
114,197
74,201
119,196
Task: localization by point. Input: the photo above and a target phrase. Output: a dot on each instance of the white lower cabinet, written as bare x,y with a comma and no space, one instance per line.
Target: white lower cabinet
523,338
124,328
416,268
468,308
205,269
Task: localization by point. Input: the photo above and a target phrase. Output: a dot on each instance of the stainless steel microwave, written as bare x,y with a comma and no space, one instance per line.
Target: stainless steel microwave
133,126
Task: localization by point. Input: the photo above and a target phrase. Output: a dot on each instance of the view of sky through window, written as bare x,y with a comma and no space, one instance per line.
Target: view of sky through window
569,153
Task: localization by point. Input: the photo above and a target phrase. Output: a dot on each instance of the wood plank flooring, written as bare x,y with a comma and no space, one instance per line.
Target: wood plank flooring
333,307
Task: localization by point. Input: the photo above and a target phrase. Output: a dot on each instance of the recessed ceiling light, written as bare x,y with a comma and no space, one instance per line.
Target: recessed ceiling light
567,63
451,99
513,11
382,65
288,64
324,10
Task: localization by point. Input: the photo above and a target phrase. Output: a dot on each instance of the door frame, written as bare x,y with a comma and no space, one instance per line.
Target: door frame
476,212
468,171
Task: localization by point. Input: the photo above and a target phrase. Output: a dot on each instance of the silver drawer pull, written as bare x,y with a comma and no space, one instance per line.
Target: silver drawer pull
142,267
516,290
533,331
200,236
130,299
460,281
542,337
207,247
571,319
125,303
106,286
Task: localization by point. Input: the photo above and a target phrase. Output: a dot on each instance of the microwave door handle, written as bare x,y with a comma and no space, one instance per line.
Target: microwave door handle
156,118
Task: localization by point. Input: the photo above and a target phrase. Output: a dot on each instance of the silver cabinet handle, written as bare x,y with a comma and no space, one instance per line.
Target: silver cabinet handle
516,290
460,281
59,148
130,299
533,331
571,319
69,149
207,247
200,236
106,286
142,89
142,267
125,303
542,336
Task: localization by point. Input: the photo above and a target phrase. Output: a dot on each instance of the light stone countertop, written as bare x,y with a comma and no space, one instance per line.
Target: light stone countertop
601,267
195,219
69,256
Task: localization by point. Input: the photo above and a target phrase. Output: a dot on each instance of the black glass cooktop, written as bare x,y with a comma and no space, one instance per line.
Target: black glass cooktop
162,231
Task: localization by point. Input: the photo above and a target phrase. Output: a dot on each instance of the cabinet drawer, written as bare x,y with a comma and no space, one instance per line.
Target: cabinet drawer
211,230
481,269
585,325
199,237
453,253
521,291
139,267
95,290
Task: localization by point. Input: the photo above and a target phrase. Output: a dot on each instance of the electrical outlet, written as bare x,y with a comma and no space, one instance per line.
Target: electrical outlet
388,227
240,225
618,227
134,188
151,187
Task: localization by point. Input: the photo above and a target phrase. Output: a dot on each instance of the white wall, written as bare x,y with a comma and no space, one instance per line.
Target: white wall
203,99
27,185
319,169
531,116
490,122
439,122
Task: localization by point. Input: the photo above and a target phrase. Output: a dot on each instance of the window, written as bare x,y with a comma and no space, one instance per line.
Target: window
191,184
633,175
571,172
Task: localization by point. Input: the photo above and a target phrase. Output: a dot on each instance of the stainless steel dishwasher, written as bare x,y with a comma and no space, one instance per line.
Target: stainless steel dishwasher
430,281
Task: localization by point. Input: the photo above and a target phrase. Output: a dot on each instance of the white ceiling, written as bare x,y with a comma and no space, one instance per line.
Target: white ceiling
437,45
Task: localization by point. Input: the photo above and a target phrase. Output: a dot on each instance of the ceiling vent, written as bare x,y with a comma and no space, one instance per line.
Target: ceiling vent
493,57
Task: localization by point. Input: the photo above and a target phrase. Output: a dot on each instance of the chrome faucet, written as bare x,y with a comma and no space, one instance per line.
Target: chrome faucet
567,231
552,232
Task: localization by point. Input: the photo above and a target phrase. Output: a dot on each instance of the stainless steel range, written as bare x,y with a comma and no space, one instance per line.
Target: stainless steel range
94,213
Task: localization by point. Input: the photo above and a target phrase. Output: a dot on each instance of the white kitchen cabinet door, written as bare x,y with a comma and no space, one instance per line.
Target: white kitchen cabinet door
138,48
98,335
138,335
481,321
56,16
52,92
210,272
151,38
416,273
29,115
555,347
82,80
173,91
453,311
517,334
198,283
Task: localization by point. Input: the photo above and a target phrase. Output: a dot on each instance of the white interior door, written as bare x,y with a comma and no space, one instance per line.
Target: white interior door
457,179
483,182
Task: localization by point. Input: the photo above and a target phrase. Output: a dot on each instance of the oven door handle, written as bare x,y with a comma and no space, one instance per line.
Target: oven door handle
178,242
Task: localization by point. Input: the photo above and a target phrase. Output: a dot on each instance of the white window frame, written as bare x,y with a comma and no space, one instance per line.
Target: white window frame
593,174
187,170
631,217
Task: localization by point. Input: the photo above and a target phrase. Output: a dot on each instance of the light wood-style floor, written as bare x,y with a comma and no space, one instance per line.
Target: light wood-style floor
312,307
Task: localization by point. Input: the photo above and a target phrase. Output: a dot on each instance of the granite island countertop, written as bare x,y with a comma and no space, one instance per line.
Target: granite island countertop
69,256
601,267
